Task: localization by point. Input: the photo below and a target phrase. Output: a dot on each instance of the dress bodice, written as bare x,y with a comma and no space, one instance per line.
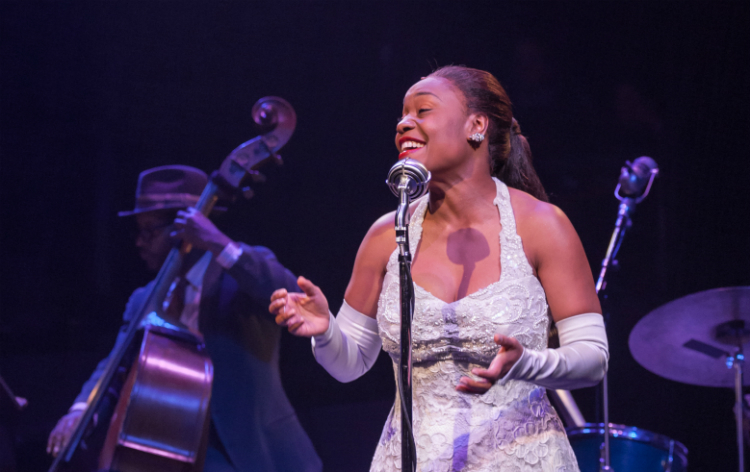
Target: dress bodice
515,305
512,427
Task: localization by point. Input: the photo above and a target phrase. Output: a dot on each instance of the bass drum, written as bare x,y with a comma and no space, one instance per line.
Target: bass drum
630,449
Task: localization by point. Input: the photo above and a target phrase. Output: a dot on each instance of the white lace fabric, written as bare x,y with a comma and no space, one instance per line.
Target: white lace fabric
512,427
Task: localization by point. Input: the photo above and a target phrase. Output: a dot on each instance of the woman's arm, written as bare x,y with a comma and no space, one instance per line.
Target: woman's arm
306,314
366,282
347,345
556,253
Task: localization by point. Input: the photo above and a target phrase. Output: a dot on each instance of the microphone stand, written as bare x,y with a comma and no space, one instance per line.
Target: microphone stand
408,447
627,207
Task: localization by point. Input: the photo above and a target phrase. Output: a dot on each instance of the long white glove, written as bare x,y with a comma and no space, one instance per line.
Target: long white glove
580,361
350,346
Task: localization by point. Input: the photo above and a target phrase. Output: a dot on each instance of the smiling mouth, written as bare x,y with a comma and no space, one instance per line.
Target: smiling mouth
409,146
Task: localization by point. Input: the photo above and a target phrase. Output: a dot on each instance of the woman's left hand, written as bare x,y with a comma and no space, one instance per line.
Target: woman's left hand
508,354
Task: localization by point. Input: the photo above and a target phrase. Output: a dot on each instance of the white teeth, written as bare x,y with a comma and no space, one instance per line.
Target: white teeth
411,145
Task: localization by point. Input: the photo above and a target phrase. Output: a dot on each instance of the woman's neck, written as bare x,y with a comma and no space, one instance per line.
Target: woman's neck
460,201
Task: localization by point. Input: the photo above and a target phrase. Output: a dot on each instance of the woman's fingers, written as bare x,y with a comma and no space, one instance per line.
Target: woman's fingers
284,306
277,304
301,313
279,300
492,372
308,287
469,385
507,342
279,293
285,315
508,354
295,326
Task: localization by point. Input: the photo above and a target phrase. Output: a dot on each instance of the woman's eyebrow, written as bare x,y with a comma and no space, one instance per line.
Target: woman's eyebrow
426,93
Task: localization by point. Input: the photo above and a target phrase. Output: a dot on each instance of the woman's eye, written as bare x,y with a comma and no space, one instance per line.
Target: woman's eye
423,110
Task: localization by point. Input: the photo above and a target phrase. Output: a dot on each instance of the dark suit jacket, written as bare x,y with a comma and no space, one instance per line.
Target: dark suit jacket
250,411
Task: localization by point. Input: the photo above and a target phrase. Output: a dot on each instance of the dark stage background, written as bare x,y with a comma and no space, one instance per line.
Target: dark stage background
91,93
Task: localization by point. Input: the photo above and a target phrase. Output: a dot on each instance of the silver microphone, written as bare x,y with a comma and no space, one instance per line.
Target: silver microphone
417,177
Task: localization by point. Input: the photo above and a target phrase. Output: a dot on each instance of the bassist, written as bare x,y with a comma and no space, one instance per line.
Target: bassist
221,293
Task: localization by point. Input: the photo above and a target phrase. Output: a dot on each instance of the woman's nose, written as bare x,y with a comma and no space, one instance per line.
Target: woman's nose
405,125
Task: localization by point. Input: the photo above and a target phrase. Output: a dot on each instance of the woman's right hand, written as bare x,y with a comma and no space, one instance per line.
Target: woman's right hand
304,314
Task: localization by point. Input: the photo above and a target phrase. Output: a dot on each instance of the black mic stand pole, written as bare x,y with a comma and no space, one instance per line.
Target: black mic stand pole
622,223
408,449
627,206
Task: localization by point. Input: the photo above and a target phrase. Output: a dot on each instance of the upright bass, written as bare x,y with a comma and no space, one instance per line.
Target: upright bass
160,422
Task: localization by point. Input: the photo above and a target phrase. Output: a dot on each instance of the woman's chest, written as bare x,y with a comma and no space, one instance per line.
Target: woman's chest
451,265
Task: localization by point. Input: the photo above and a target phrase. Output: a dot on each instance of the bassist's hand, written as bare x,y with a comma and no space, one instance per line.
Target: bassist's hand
195,228
60,436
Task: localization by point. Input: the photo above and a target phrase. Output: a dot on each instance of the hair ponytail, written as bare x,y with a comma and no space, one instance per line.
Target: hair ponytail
509,150
517,169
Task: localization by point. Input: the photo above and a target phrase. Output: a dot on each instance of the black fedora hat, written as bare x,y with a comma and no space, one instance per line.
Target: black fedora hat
168,187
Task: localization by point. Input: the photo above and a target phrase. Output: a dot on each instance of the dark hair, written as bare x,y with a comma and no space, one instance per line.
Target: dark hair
509,149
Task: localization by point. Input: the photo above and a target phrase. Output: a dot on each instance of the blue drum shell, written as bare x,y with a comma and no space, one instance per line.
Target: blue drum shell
631,449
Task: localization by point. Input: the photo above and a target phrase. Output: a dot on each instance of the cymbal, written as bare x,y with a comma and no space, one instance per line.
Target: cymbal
689,339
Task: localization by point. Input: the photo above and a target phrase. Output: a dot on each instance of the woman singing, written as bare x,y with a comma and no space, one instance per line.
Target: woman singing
491,257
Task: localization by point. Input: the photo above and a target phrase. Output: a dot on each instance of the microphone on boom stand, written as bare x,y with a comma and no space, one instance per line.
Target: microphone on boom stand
635,177
408,180
633,186
417,177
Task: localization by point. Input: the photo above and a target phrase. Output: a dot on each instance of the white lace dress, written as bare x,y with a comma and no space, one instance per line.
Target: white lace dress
512,427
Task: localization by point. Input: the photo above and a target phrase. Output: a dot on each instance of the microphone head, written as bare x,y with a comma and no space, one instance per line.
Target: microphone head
417,177
635,176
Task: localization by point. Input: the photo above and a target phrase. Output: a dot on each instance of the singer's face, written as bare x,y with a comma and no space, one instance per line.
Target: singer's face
434,125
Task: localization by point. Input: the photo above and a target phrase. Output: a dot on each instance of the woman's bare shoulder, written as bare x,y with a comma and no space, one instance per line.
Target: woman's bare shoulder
543,227
528,210
370,265
381,237
379,241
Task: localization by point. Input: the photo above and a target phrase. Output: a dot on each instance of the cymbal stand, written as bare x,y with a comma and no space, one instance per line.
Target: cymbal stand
737,362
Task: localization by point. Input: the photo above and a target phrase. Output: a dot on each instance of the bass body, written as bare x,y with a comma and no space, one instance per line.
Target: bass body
156,423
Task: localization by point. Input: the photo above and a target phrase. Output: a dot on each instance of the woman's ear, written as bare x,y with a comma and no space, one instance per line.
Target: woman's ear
477,123
476,129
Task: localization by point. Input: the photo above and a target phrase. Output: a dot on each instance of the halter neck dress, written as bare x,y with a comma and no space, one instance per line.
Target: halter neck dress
512,427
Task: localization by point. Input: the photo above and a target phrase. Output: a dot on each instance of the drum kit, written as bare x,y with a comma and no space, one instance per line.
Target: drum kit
698,339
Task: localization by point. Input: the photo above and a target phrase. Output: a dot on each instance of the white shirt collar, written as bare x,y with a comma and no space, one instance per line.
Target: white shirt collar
196,273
